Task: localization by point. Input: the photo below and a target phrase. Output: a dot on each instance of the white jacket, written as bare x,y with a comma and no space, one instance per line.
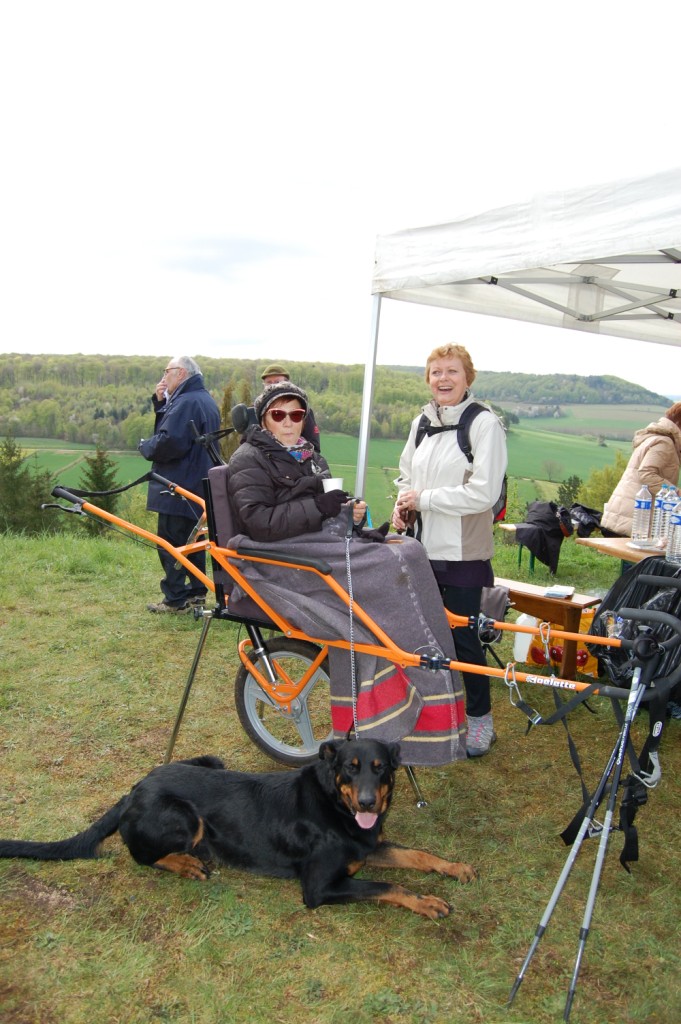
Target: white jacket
455,496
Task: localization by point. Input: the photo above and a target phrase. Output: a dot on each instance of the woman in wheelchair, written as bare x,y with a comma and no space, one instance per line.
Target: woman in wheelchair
275,479
277,497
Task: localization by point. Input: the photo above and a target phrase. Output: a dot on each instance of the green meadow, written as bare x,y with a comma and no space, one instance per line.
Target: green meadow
542,452
617,422
90,690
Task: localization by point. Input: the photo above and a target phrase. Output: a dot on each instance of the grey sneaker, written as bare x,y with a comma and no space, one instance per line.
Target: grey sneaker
199,600
481,735
163,607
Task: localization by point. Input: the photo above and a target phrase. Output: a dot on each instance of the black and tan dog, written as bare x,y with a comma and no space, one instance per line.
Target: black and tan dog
320,824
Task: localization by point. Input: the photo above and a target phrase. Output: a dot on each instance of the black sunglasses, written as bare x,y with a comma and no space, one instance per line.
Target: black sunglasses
279,415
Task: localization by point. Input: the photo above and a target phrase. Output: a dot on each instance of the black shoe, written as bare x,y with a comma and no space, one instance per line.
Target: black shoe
163,608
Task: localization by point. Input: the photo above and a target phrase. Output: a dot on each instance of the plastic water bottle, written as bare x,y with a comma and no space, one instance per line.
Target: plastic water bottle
658,537
674,541
522,642
671,499
640,524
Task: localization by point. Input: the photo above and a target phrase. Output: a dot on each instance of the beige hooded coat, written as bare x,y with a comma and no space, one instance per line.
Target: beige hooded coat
655,460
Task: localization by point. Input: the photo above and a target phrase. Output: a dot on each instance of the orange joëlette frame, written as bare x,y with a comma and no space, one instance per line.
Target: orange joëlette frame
384,647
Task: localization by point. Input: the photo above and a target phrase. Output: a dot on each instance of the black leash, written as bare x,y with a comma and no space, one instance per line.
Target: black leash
116,490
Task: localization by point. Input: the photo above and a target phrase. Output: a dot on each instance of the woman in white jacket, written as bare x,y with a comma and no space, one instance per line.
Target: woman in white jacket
453,500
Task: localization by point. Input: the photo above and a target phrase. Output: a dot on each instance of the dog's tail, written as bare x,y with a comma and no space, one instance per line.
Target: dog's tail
83,846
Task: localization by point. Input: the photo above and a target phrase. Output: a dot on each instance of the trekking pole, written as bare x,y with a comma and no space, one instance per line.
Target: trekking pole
614,760
637,690
565,873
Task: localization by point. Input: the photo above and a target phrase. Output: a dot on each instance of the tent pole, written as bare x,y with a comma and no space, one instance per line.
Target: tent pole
367,400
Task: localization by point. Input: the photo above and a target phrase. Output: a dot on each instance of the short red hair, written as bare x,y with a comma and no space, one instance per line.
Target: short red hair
456,351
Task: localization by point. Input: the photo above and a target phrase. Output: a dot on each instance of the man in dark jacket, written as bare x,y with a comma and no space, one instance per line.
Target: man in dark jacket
179,399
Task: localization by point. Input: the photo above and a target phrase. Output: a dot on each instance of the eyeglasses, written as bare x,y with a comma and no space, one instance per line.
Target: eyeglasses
279,415
168,369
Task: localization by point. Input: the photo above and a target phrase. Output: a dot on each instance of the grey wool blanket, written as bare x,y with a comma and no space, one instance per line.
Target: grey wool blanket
393,583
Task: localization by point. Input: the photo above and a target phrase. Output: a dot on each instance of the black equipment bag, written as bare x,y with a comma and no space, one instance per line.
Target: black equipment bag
629,592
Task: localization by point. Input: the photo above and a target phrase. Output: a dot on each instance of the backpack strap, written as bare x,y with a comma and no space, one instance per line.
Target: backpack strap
467,417
426,428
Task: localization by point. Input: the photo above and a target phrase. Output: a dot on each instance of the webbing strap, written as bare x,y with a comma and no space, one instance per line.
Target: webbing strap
563,709
116,490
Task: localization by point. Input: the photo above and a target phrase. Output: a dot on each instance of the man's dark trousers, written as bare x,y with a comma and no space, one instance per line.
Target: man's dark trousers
176,591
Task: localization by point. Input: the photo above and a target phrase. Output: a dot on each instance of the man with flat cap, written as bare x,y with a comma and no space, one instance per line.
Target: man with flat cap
274,374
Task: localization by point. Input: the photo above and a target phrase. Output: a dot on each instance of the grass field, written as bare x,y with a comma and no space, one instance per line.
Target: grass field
89,691
615,422
542,453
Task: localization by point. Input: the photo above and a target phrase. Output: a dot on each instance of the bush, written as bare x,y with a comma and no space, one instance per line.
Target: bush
602,482
100,475
23,489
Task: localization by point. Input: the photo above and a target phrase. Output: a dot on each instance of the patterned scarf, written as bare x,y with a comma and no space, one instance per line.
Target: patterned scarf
301,451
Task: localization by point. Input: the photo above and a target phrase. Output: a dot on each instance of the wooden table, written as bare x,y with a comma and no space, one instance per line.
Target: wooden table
618,547
566,612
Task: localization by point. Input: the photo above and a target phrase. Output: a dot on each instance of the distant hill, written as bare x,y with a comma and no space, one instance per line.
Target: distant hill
83,398
549,389
565,387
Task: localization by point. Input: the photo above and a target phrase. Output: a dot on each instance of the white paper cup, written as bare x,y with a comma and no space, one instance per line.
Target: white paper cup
334,483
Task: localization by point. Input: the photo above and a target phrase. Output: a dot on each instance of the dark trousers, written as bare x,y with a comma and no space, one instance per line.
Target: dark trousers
179,585
466,601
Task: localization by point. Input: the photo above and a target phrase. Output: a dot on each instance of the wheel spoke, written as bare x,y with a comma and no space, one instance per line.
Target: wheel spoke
303,722
291,737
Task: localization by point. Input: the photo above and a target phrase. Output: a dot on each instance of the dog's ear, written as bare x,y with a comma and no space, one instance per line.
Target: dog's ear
328,751
394,754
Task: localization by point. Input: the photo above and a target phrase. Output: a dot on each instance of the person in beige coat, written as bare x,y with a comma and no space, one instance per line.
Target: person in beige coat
655,460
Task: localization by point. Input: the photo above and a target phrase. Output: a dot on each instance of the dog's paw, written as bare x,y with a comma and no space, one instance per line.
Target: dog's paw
462,872
185,865
432,907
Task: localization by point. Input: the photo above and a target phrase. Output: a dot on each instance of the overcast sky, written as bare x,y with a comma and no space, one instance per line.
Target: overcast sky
210,177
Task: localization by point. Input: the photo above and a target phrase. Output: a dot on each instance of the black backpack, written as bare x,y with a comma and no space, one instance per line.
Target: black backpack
426,429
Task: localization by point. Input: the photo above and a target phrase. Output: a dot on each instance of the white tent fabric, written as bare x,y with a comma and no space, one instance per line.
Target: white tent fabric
604,259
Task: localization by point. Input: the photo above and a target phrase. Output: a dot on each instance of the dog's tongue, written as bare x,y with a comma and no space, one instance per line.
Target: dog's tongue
366,820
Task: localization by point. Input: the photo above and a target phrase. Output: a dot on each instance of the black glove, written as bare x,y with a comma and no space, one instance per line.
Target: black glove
331,502
378,535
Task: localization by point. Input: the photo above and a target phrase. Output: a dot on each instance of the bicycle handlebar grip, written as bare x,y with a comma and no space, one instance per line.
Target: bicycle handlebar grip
161,479
652,615
660,581
665,619
61,492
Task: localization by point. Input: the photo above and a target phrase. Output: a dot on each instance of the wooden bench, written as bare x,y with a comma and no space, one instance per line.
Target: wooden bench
565,612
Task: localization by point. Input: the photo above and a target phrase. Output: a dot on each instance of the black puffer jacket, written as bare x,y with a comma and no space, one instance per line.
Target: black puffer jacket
271,493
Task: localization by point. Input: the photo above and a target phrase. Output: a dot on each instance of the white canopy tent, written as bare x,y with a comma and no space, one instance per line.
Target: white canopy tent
604,259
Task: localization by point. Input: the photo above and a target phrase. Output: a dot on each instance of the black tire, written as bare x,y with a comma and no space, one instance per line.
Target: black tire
289,738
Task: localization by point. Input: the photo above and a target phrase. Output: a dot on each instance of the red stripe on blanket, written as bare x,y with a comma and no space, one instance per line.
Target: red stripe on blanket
382,697
440,717
341,718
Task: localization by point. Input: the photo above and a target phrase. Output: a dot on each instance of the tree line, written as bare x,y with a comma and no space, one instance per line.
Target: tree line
106,400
